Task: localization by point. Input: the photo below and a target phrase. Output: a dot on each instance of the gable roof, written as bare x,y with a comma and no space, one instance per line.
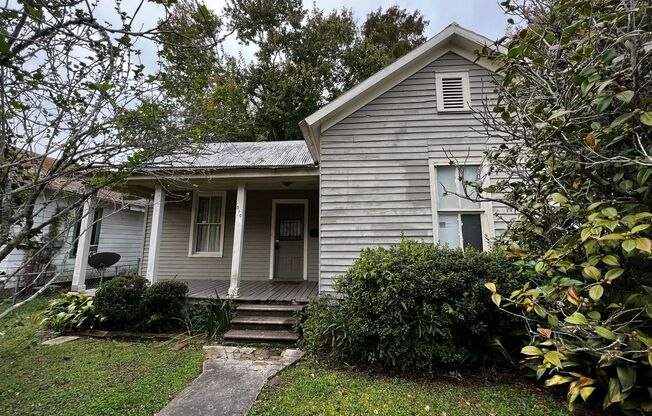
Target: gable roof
453,38
281,154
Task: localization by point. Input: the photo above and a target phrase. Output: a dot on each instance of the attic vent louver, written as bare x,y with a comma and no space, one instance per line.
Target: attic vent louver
453,91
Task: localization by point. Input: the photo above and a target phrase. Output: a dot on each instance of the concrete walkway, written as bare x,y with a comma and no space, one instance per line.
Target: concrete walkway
230,382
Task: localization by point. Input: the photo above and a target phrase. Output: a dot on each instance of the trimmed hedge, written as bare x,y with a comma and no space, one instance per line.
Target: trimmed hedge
118,300
415,307
163,302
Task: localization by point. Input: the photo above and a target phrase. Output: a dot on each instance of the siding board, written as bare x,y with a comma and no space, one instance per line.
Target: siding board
375,182
175,262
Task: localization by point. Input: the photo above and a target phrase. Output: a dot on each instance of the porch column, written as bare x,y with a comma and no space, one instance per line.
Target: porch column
83,246
155,234
238,240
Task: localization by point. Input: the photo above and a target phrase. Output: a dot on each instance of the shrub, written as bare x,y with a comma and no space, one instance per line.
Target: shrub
413,307
163,302
118,300
574,113
212,317
70,312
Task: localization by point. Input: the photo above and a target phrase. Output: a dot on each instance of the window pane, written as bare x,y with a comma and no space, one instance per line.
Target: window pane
472,231
449,230
446,180
214,240
470,174
214,213
97,226
201,238
203,208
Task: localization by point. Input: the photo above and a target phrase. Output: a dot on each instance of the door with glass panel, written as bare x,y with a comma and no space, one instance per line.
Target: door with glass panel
288,241
459,220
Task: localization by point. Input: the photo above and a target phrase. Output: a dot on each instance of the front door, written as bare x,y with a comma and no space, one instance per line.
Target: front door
289,241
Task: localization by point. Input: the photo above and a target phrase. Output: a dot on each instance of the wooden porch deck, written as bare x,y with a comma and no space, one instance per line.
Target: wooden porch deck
255,290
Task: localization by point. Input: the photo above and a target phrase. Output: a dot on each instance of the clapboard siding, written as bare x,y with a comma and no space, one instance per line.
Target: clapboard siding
375,181
175,262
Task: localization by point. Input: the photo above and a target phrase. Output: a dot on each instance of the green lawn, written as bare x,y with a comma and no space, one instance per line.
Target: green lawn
86,376
309,389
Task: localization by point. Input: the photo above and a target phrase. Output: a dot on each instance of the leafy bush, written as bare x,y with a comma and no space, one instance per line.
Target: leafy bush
70,312
414,307
212,317
118,300
574,115
163,302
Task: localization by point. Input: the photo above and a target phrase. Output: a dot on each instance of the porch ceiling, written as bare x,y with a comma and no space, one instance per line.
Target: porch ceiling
254,179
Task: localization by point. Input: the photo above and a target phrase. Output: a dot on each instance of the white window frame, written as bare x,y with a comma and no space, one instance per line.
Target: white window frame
466,91
485,210
193,219
272,239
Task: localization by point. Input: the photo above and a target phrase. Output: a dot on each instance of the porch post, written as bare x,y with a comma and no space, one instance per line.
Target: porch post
155,234
238,240
83,246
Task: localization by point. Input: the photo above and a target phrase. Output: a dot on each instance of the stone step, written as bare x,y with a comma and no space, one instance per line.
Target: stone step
257,336
255,309
282,323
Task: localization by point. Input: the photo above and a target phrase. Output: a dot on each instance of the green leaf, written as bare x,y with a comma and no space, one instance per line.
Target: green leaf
585,392
531,350
613,274
605,333
628,245
558,379
496,298
558,113
602,103
4,46
591,272
554,358
576,319
609,212
646,118
611,260
621,119
559,198
491,286
627,377
644,244
625,96
596,292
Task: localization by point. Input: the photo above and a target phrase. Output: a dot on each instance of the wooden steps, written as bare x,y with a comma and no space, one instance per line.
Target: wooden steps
264,323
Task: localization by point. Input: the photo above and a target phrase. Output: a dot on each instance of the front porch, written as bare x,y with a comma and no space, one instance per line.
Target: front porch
258,291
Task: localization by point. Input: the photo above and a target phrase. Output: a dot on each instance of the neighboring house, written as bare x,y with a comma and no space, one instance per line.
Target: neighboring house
117,227
369,171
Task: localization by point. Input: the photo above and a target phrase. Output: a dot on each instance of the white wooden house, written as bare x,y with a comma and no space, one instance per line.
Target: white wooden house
280,220
117,226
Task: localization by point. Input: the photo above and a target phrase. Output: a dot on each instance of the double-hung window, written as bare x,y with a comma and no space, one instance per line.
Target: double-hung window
207,226
459,222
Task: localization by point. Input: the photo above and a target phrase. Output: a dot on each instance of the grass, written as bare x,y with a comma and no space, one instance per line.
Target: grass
86,376
310,389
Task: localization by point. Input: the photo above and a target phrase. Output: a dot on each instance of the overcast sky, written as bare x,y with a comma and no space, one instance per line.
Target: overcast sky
482,16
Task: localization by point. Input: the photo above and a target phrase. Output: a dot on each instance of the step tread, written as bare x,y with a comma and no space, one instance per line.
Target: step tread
268,307
255,334
264,320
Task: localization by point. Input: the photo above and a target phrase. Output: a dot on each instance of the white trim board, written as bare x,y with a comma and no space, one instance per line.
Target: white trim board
272,254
